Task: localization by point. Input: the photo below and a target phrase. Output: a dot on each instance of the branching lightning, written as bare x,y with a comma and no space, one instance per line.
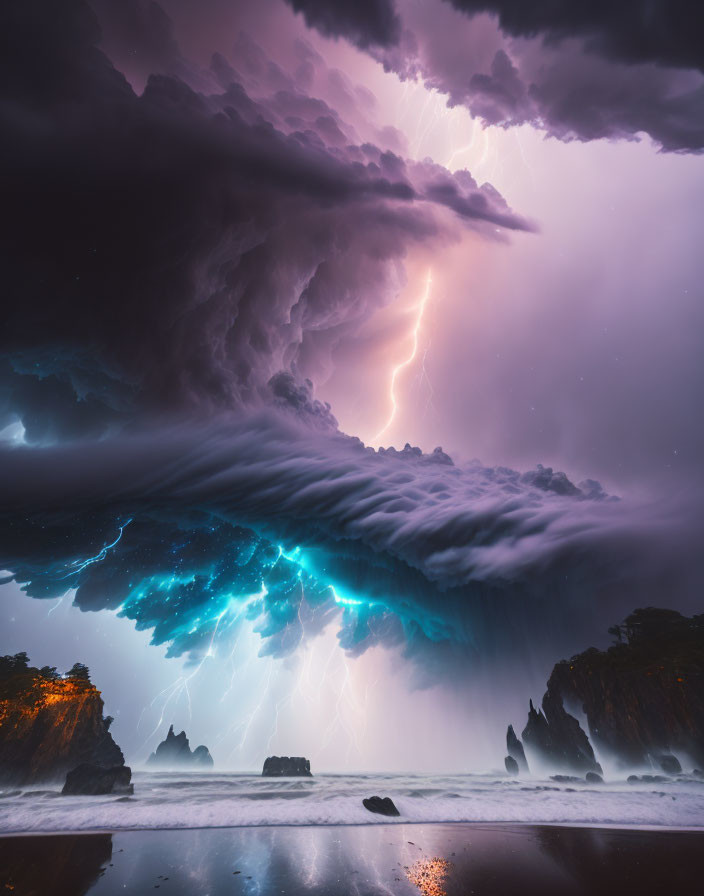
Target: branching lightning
420,311
221,606
79,565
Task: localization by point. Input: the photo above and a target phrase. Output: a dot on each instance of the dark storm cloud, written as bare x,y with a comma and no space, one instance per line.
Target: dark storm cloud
363,22
577,71
263,516
186,245
665,32
577,99
292,395
143,29
575,96
581,71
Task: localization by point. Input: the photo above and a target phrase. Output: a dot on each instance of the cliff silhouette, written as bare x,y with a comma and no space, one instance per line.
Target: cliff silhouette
49,723
643,698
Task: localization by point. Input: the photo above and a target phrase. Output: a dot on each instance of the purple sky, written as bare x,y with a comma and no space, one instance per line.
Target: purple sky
577,346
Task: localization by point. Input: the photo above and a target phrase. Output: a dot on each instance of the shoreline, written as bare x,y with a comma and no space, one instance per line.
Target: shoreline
597,826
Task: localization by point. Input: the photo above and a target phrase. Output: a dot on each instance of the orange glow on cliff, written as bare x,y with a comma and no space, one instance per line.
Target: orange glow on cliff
43,693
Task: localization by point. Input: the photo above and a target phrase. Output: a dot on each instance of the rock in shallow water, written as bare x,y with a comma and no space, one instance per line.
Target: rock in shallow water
201,756
515,750
287,767
381,805
511,765
647,779
669,764
593,778
92,780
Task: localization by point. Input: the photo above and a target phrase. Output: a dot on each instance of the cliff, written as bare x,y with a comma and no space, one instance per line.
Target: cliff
49,724
643,698
175,752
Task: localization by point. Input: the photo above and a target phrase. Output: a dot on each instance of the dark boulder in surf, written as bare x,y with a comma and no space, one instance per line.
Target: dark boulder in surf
381,805
92,780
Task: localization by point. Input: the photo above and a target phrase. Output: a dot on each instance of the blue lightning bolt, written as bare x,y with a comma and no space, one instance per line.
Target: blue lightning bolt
80,565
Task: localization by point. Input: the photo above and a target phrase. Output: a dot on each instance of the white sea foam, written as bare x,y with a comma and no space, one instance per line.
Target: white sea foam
175,800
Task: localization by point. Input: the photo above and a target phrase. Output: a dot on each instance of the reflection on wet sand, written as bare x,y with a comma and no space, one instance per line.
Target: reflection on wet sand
58,865
357,860
603,860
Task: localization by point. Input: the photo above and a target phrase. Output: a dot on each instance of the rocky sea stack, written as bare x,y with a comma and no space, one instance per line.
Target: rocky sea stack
558,738
643,698
175,752
515,762
286,767
50,723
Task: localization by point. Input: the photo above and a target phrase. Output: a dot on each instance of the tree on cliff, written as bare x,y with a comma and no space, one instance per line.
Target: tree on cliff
78,672
10,665
49,672
653,625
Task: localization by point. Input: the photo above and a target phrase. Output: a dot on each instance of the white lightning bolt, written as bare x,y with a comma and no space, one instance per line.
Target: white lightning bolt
420,311
173,692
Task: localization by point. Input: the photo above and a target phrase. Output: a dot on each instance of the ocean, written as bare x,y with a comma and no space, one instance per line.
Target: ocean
173,800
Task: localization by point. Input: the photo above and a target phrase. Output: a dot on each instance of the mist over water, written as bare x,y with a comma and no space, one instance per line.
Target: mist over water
204,800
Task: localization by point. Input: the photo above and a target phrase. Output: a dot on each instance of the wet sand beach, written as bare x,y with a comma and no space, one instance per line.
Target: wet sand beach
430,859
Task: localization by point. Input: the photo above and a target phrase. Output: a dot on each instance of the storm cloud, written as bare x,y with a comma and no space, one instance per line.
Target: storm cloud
264,518
364,22
663,32
583,71
176,249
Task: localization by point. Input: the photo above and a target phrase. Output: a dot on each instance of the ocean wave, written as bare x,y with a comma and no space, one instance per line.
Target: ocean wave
163,801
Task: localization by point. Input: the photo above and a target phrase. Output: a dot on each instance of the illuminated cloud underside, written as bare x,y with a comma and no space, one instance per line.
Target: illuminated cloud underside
264,519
